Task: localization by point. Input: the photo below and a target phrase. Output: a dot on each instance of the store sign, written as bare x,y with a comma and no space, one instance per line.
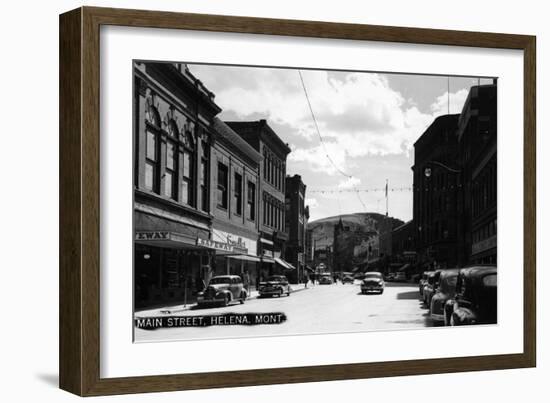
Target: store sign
152,235
208,243
240,244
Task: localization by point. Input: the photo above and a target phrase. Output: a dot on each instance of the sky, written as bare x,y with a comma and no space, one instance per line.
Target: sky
368,123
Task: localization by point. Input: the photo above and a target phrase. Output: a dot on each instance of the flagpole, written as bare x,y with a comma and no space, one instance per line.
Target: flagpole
386,197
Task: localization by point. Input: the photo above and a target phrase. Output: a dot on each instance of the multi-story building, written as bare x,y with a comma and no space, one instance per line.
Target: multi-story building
477,137
437,185
271,191
173,119
403,256
296,218
235,180
310,248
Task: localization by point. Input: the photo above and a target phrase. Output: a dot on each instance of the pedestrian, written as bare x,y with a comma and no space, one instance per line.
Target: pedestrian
306,279
199,283
246,280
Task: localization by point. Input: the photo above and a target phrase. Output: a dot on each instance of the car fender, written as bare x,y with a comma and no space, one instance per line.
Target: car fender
437,297
221,293
464,316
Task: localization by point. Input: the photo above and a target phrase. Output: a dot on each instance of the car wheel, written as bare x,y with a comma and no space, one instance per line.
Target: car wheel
381,291
225,300
243,297
452,320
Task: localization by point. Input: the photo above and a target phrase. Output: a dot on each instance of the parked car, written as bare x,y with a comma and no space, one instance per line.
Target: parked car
422,283
400,276
475,301
274,285
445,291
347,279
223,290
359,276
429,287
373,282
326,279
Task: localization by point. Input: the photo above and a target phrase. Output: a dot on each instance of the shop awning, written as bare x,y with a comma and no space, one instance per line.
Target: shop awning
248,258
267,259
284,263
309,268
167,239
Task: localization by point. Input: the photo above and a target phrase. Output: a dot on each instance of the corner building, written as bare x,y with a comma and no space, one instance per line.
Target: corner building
173,132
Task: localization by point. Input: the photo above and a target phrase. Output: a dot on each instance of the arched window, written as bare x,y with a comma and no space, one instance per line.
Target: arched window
152,149
188,171
171,169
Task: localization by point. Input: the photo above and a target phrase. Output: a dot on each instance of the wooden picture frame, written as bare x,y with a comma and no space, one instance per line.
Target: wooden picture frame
79,346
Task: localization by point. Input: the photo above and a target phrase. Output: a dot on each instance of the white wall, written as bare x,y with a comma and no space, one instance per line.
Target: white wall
29,203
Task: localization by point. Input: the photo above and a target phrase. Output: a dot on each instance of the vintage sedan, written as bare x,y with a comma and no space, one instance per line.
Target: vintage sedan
347,279
274,285
430,287
475,301
223,290
326,279
422,283
445,291
373,282
399,276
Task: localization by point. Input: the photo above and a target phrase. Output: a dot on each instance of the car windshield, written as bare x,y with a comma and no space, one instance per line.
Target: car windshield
448,283
374,276
276,278
220,280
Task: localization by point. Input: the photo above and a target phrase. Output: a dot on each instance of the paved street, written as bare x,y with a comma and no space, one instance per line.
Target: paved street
333,308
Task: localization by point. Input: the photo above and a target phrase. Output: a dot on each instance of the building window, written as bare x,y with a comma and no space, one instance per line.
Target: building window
204,177
187,178
238,194
251,201
222,185
170,171
151,162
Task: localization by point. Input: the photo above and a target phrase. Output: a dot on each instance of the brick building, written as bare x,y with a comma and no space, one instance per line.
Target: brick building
173,118
235,179
273,235
296,217
477,137
437,194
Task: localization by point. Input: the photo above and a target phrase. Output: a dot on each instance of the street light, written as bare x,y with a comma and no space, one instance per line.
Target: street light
428,170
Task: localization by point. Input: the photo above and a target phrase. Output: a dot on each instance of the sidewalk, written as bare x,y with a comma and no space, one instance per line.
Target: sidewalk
175,309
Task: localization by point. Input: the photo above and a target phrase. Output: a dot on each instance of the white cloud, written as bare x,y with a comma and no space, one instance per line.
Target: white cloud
311,202
452,103
349,183
358,114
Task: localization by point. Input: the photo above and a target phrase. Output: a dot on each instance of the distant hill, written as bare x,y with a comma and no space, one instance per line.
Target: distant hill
323,229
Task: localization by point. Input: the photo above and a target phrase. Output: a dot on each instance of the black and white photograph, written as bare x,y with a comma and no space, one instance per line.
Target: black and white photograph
274,201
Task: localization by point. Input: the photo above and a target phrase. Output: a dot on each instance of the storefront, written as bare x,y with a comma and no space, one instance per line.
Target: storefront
169,267
235,254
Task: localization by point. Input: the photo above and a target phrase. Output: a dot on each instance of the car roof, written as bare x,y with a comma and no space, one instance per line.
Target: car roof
478,270
449,272
373,272
227,276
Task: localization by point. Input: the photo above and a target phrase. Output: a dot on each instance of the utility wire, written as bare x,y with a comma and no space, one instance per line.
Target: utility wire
323,143
319,132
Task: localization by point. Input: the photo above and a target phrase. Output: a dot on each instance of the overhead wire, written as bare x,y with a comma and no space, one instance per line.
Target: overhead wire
338,169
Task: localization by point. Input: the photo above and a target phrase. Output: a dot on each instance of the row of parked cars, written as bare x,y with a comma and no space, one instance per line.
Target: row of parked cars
230,288
456,297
